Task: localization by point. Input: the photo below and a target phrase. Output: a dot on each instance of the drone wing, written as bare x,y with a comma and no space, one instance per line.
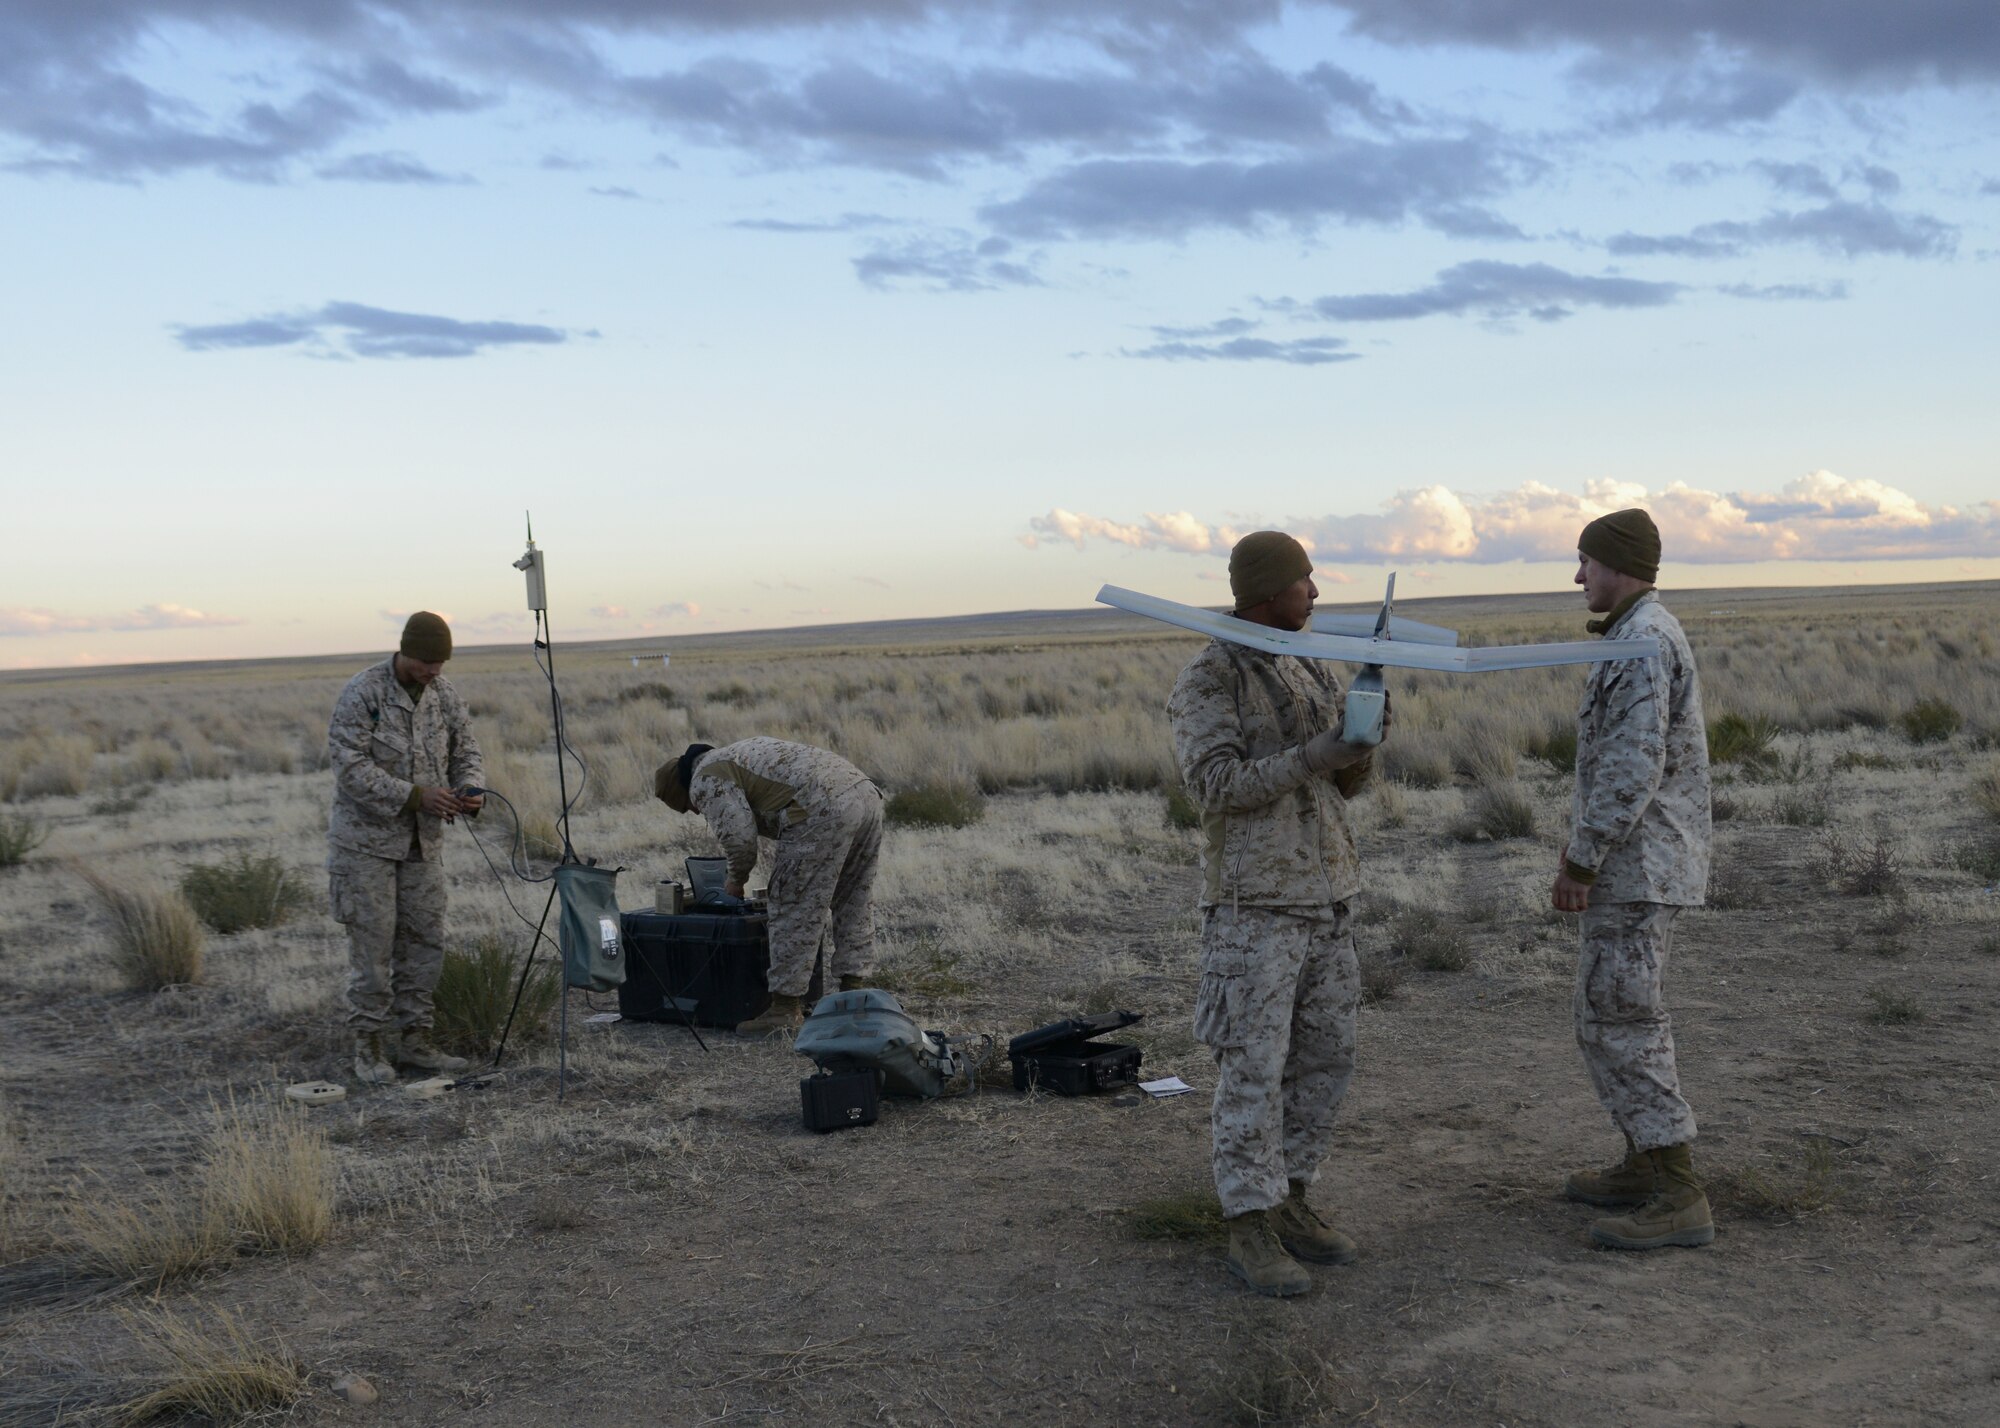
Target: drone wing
1310,644
1415,632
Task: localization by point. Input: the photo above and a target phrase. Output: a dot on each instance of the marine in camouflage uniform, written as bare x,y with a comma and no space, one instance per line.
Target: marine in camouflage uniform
1638,852
1280,985
400,742
825,816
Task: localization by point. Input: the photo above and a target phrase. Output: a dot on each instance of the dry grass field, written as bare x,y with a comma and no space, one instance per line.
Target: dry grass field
669,1245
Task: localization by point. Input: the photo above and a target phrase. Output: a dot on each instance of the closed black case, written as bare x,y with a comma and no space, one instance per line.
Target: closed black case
705,968
840,1101
1062,1057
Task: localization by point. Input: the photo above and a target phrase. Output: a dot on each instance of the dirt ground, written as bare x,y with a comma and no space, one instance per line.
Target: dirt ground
670,1246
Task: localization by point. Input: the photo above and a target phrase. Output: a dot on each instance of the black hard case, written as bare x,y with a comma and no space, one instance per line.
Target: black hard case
707,968
840,1101
1062,1057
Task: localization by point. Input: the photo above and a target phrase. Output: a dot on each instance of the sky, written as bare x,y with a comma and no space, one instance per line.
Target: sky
783,312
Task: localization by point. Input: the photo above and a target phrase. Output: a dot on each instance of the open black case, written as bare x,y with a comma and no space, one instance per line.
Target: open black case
1065,1058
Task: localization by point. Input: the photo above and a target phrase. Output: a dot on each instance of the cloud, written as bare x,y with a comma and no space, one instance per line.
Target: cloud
1298,351
1499,290
1844,228
958,264
846,223
615,191
677,608
31,622
368,332
875,580
1348,181
1820,516
388,168
1848,41
1787,292
609,612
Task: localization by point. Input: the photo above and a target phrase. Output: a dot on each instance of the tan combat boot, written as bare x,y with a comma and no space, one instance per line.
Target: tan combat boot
784,1014
414,1048
1256,1257
1629,1182
1300,1230
371,1061
1677,1213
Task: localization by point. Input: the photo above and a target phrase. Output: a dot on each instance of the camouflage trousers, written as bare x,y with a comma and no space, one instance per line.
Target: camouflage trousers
825,869
393,910
1622,1023
1276,1007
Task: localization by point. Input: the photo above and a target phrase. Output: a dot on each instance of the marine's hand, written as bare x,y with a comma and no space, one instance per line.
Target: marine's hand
440,803
1326,752
1388,712
1569,895
733,888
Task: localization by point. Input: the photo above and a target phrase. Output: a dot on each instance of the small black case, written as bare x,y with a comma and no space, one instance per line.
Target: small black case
1062,1057
840,1101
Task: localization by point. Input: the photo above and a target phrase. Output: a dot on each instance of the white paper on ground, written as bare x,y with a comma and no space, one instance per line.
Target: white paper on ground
1166,1086
601,1019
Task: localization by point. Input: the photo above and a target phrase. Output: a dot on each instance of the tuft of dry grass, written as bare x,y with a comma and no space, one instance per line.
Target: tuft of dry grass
1381,981
149,1243
1278,1379
269,1179
156,939
1497,810
212,1370
1891,1006
1185,1216
1931,721
1181,810
935,804
1742,739
1782,1193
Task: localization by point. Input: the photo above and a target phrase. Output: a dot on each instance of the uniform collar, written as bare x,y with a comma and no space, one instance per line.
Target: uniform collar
1618,613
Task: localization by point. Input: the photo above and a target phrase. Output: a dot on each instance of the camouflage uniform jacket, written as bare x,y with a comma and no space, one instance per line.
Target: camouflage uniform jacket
382,744
763,786
1273,834
1640,818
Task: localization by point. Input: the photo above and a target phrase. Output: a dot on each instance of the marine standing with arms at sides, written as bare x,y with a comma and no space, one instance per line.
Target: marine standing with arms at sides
400,744
1638,853
1257,740
826,816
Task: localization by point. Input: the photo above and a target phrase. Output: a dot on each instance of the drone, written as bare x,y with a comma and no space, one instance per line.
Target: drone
1385,640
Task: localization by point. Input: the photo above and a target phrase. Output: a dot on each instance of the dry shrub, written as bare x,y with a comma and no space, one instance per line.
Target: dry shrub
269,1179
1931,721
934,805
243,892
475,992
1272,1382
1432,939
212,1370
156,939
1417,760
1392,804
1859,870
1986,790
1497,810
1381,981
20,835
1181,810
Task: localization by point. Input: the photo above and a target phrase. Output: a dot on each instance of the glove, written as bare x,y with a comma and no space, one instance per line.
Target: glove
1323,753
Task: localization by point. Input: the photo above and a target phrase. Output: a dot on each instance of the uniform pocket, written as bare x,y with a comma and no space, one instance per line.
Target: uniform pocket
1218,1010
340,898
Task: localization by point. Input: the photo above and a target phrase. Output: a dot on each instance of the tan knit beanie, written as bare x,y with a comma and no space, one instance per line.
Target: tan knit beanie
426,637
1262,564
1627,541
